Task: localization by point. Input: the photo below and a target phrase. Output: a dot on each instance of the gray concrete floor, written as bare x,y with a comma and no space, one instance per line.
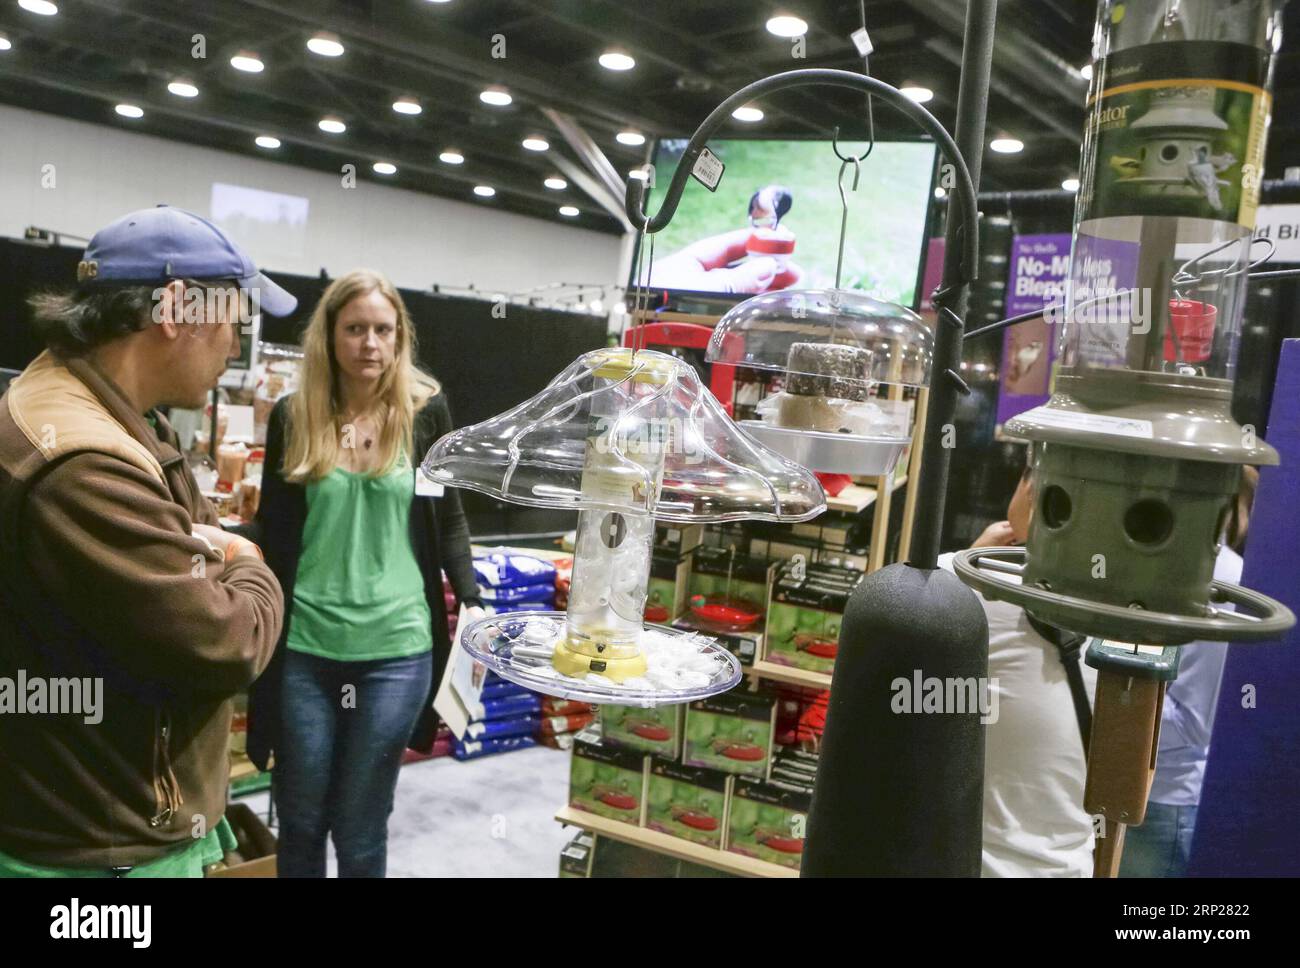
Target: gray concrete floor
491,817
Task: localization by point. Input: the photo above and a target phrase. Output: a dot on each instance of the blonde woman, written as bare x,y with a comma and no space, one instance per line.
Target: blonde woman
359,555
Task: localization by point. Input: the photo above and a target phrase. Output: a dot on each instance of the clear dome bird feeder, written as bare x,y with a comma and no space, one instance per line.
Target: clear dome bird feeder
834,347
622,437
1137,457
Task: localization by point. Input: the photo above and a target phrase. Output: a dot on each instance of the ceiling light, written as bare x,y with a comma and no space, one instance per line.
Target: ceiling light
1006,145
248,62
1070,184
630,138
568,211
748,113
129,111
1086,72
384,168
5,43
917,93
597,306
617,60
332,125
640,174
536,144
484,191
183,89
407,105
787,25
43,7
451,157
327,45
496,96
556,184
266,141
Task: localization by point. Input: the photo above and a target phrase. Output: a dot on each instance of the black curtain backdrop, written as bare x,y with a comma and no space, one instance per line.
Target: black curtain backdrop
485,364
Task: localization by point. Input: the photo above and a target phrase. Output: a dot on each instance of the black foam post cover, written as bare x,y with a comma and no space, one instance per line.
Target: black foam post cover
900,792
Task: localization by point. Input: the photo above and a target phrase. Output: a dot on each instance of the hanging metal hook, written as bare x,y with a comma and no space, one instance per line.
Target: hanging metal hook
1189,273
844,208
835,146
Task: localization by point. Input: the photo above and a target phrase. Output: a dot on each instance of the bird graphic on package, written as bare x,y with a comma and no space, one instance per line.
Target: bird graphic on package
1204,174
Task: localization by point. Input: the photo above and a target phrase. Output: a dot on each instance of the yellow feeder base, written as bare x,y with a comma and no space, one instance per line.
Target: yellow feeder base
569,661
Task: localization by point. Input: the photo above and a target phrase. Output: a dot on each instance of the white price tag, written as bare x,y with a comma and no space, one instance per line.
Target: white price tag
861,41
427,488
708,169
1099,423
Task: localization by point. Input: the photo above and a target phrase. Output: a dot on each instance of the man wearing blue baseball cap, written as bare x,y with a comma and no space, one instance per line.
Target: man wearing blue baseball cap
128,618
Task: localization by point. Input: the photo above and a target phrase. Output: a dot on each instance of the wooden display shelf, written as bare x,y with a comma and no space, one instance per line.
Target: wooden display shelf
858,497
672,846
854,498
763,669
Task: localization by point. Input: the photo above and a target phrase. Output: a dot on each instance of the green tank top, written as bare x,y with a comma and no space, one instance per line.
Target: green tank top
359,592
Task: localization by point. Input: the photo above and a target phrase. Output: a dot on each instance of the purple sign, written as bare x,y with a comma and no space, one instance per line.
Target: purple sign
1040,265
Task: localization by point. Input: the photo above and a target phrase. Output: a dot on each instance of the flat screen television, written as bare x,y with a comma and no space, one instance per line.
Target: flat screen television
774,220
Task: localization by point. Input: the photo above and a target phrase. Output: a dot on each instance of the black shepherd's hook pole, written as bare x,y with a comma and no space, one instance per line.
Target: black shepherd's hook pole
950,299
962,234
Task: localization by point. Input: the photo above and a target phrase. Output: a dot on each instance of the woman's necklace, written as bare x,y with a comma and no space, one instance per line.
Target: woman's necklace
367,435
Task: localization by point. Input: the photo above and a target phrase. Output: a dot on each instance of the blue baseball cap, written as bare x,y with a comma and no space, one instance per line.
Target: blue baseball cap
157,245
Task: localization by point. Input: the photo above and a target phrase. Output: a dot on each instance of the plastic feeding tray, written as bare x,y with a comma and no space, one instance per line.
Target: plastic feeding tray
681,666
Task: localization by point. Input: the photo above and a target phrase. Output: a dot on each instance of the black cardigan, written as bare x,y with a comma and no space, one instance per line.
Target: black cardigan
439,536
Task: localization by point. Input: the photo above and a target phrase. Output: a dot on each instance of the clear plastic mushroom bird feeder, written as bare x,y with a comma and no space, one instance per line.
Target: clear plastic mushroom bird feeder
622,437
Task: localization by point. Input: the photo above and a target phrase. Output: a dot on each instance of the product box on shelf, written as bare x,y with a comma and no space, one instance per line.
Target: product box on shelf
657,730
666,593
613,858
834,529
854,559
768,820
727,591
575,858
607,780
787,547
793,765
800,716
732,732
804,615
687,801
745,646
677,540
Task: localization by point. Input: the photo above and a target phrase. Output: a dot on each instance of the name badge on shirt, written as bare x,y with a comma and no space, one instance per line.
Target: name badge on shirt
427,488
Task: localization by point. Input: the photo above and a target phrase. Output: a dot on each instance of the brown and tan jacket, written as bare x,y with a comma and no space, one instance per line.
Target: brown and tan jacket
100,577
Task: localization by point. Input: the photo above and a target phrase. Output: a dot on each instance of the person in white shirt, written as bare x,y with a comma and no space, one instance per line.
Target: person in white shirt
1034,763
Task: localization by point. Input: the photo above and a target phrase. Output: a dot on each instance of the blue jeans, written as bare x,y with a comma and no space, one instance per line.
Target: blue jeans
1161,846
344,731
